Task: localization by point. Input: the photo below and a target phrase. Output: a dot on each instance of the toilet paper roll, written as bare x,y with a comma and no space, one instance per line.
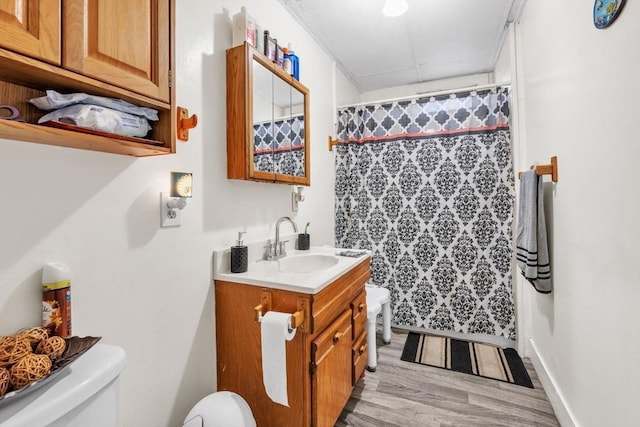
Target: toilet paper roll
275,332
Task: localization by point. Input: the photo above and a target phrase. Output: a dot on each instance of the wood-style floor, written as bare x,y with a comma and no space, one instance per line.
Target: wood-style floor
407,394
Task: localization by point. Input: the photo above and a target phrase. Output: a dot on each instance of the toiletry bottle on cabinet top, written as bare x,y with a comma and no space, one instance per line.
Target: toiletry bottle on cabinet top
279,54
239,256
259,38
269,46
286,62
295,62
244,28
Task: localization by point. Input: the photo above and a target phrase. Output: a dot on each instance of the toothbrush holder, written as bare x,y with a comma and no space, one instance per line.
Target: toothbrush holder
303,241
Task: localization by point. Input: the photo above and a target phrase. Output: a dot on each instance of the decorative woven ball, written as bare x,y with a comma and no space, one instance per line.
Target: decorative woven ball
12,349
28,369
35,335
5,381
52,347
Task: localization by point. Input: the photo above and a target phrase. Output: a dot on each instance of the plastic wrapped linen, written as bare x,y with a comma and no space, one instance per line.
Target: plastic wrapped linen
54,100
100,118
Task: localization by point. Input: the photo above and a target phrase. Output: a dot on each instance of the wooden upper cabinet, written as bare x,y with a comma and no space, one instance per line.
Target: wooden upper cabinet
32,28
125,43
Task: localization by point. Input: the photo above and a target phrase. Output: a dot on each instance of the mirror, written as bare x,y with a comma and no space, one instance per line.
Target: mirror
278,124
298,141
281,127
262,118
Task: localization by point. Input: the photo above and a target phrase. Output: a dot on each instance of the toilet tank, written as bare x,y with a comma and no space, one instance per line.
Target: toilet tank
84,394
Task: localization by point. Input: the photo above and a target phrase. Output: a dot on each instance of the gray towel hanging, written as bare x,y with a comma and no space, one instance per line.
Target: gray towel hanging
532,251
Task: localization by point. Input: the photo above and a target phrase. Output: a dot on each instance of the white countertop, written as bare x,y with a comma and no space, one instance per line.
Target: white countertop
267,274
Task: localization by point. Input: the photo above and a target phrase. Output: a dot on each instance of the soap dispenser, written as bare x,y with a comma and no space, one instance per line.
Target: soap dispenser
239,255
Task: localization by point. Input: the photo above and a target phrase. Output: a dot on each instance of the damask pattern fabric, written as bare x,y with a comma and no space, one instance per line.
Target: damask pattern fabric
427,185
278,146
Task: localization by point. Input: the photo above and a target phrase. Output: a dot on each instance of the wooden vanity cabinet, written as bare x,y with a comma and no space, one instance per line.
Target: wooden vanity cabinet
321,367
115,49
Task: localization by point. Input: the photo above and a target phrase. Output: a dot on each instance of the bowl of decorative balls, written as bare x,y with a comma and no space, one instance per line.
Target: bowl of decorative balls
31,358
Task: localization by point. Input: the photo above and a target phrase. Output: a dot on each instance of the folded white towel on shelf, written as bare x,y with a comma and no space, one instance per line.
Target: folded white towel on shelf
532,251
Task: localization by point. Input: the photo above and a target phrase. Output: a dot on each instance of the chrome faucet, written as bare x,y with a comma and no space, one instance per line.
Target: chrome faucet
277,250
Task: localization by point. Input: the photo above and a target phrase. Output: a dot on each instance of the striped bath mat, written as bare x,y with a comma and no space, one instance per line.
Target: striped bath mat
483,360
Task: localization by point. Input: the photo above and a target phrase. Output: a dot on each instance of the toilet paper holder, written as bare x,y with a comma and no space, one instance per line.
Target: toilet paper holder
298,318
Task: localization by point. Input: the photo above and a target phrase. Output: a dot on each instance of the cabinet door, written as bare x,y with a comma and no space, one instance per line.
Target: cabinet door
125,43
263,131
282,158
331,384
291,155
32,28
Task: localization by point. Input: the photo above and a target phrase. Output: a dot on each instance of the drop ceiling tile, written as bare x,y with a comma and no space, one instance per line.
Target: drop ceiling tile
434,39
389,79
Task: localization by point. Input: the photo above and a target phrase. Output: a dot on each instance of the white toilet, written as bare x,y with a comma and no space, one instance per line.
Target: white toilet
83,394
221,409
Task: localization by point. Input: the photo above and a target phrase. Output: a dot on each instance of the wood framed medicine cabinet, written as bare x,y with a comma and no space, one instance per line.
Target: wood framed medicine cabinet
99,48
267,120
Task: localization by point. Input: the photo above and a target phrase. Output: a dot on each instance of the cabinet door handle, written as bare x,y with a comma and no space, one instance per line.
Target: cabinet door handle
362,349
361,306
337,336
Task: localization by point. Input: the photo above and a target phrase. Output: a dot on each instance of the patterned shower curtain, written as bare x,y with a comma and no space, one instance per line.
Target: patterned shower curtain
278,146
427,185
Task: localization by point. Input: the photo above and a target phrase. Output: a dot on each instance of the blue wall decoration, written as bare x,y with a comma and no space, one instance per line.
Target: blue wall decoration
606,11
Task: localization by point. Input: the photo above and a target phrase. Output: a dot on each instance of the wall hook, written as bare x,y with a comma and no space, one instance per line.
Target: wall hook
185,123
332,142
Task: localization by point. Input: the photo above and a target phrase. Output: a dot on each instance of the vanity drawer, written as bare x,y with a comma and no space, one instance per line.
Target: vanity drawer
359,356
359,314
338,332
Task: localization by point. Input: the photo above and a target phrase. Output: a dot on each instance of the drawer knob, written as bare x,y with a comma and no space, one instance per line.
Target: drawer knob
361,307
336,337
362,349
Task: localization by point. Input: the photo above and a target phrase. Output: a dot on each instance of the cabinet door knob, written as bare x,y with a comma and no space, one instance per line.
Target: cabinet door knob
336,337
362,349
361,306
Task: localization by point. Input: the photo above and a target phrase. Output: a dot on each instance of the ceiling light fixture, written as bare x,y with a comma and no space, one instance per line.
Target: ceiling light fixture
393,8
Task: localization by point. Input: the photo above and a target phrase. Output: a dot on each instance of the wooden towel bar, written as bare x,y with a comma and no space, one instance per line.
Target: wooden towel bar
551,169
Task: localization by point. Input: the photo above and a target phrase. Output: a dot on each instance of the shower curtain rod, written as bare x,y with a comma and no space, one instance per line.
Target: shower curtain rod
426,94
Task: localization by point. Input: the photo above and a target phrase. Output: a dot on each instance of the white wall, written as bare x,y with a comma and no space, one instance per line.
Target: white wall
346,92
502,69
139,286
579,90
427,87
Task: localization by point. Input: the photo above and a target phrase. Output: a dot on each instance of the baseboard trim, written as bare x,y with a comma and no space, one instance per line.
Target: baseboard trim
558,402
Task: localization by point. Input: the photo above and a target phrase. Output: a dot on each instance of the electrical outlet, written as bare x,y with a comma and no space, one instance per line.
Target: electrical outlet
168,217
294,201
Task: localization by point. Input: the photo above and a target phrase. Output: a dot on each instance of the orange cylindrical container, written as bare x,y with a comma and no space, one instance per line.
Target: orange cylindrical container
56,299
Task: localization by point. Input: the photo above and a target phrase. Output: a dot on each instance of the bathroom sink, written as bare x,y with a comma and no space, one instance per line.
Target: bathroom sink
306,263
